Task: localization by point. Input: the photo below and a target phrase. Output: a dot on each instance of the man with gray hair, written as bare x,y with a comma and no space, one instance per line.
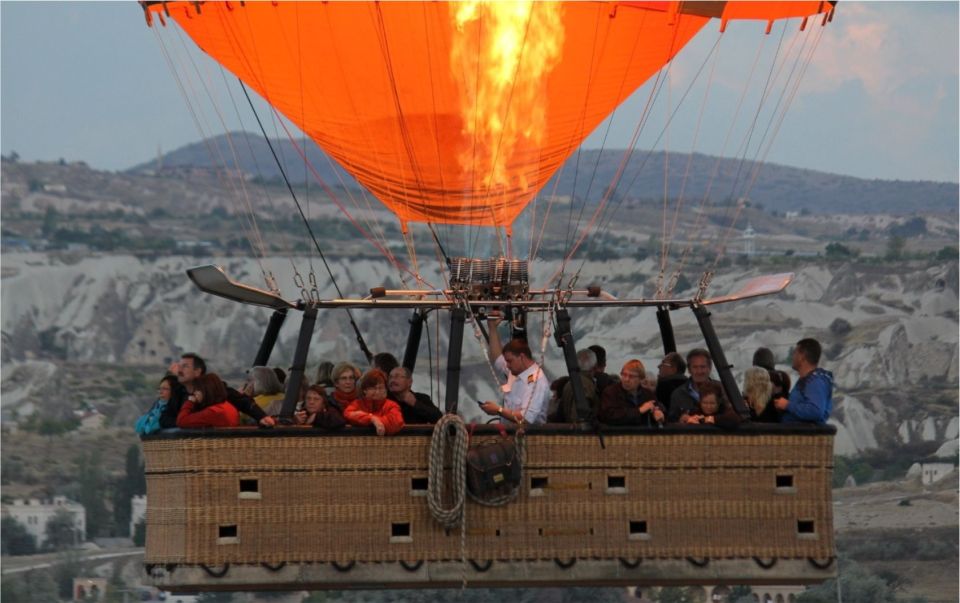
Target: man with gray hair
416,407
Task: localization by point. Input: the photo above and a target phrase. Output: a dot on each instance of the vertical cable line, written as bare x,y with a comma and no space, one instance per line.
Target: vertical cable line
705,201
258,255
254,70
794,85
583,113
306,223
601,214
625,160
404,130
773,74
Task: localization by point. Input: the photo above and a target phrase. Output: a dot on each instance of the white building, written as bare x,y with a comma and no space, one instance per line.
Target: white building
933,472
138,511
34,514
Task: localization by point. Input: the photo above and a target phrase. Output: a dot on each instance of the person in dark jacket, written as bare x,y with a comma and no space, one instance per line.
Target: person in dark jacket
628,402
685,399
757,394
712,409
415,407
670,376
317,412
190,368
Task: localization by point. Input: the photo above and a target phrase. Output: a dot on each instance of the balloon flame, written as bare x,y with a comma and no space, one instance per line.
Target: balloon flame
500,62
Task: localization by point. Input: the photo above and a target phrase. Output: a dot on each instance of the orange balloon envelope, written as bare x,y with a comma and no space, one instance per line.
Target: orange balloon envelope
452,112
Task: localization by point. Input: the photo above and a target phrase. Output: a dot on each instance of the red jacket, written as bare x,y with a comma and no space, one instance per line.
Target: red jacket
359,411
215,415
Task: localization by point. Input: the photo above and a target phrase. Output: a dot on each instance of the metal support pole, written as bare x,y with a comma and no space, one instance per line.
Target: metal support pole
564,337
270,337
720,360
666,330
295,378
413,339
452,394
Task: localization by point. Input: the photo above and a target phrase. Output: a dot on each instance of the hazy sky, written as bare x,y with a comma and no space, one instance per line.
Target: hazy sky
87,81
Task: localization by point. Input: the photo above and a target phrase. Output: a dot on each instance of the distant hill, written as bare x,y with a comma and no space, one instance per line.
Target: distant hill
778,187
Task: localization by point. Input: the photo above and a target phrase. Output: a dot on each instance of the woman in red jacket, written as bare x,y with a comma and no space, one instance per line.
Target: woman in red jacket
207,406
373,408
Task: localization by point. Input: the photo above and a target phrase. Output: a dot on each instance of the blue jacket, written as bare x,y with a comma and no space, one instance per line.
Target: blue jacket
150,422
811,399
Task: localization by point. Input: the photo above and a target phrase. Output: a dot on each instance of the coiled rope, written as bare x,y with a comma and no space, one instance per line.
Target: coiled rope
449,444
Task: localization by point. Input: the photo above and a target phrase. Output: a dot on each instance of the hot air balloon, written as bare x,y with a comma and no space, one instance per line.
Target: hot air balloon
459,113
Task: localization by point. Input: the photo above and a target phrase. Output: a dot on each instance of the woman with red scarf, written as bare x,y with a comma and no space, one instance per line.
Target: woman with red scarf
345,376
207,406
373,408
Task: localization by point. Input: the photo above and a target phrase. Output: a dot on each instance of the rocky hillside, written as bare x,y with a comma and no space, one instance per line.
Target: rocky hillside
778,187
890,332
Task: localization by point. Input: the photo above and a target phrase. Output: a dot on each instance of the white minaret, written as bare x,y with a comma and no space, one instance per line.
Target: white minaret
749,245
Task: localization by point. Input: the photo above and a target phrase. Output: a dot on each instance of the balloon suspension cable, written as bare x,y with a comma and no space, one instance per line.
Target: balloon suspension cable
183,85
356,329
703,285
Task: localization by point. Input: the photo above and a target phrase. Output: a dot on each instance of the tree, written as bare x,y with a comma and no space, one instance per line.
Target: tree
140,533
839,251
49,226
857,585
93,486
61,532
741,594
947,254
30,587
15,539
895,247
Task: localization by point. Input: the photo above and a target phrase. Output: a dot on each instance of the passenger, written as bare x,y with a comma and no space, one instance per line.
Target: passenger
670,376
207,405
317,412
150,422
712,409
527,390
600,377
415,406
553,406
385,361
345,376
264,386
188,369
763,357
757,390
281,375
569,411
324,374
373,408
780,381
811,399
684,399
628,402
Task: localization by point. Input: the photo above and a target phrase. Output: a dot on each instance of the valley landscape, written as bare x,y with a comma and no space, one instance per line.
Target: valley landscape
96,303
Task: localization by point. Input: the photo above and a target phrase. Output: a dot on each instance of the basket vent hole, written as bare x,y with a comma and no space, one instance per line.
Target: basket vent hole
227,531
399,530
418,483
638,527
538,483
616,481
805,527
784,481
249,485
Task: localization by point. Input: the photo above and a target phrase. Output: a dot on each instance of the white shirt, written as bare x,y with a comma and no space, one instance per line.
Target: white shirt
528,392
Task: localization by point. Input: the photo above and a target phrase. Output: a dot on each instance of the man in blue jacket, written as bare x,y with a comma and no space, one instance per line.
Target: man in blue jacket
811,399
